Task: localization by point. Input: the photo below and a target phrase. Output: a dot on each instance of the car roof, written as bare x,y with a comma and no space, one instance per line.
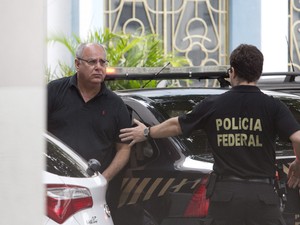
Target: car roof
288,82
185,91
153,92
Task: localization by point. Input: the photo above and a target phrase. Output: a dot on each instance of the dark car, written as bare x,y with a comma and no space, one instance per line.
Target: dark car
288,82
165,180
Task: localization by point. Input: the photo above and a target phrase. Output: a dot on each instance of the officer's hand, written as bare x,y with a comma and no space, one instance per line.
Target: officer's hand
135,134
294,174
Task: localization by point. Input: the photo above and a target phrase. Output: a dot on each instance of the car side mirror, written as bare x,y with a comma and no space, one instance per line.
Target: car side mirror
93,166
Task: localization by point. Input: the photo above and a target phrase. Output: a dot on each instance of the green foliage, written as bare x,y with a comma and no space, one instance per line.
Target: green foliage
123,50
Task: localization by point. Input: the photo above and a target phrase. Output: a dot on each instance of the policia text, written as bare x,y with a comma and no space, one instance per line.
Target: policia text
231,137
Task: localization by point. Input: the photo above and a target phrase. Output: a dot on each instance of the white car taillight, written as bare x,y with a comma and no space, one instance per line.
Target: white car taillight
65,200
198,205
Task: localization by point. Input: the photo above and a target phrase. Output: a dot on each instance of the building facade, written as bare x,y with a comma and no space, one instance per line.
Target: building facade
204,31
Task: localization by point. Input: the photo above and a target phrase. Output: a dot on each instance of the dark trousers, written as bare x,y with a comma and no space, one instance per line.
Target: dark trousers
113,194
244,203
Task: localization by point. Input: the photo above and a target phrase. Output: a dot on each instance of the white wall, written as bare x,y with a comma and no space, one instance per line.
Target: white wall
274,35
262,23
91,16
59,23
244,23
22,111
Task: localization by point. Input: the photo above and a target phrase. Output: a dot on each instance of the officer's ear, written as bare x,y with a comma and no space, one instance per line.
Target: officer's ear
232,72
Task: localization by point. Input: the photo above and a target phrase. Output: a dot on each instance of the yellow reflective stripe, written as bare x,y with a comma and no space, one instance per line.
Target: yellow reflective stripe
179,186
127,190
124,181
132,187
152,188
138,191
196,183
165,188
285,169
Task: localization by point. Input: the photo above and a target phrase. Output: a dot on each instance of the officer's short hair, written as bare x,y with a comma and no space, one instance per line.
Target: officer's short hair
247,61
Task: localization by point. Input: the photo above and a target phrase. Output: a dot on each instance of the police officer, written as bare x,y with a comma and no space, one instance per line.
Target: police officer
241,126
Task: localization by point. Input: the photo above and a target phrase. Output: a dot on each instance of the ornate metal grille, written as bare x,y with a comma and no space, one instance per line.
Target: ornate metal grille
294,35
196,29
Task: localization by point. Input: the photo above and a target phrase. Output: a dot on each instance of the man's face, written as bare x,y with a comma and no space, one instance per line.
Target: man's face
91,67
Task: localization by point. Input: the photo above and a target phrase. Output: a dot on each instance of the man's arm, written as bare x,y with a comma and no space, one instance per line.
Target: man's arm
120,160
294,169
168,128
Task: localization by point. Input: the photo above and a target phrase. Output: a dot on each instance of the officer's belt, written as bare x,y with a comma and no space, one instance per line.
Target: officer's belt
254,180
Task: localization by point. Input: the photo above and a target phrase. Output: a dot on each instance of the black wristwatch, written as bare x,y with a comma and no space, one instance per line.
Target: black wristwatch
147,132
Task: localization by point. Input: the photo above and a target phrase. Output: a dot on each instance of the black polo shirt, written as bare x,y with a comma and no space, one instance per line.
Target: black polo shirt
241,126
90,128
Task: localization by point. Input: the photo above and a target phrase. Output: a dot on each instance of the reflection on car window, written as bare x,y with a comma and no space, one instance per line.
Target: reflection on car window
141,154
61,163
294,106
177,105
197,142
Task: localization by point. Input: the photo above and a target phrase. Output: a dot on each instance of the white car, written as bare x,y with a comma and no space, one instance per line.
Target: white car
75,190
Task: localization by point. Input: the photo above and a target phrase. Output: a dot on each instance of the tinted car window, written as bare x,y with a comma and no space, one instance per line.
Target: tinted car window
176,105
61,163
197,141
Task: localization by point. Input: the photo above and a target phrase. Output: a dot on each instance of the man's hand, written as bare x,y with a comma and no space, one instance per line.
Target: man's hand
294,174
119,161
134,134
